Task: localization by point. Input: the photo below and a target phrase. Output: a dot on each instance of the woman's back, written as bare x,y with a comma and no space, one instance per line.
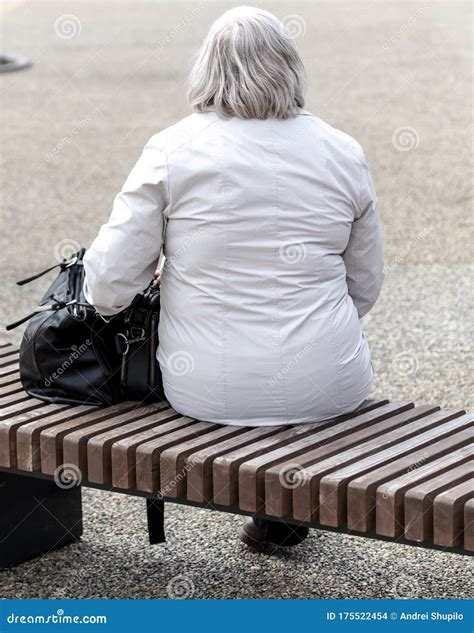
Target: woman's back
270,229
257,325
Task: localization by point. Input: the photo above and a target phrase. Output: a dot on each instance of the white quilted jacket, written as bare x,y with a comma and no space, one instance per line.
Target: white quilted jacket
273,253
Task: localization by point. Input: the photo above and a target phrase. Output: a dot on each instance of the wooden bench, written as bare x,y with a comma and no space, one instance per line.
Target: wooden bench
391,470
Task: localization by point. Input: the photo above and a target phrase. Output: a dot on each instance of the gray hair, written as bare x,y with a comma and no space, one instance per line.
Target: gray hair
249,67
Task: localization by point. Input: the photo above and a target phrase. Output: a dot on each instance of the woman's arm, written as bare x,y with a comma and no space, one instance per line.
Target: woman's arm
122,259
363,256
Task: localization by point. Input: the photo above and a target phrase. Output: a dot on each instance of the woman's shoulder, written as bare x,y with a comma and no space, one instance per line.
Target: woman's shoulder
184,132
338,140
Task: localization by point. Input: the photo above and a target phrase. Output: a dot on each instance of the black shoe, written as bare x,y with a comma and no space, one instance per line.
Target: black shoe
260,533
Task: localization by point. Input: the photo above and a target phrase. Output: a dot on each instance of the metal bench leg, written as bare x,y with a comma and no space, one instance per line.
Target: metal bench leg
155,510
36,517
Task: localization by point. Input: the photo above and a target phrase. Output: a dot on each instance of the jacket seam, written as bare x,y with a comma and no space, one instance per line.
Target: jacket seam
336,359
277,314
165,148
224,327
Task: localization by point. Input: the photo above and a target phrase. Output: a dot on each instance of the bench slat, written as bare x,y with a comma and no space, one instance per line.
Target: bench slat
148,454
277,481
252,473
99,447
123,452
419,502
9,369
289,442
51,435
333,486
29,435
173,467
226,467
469,525
361,494
308,497
14,386
14,397
9,379
8,429
22,407
389,497
449,513
200,476
8,356
75,442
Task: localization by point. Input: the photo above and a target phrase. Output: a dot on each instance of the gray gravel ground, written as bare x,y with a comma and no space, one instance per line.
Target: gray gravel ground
396,76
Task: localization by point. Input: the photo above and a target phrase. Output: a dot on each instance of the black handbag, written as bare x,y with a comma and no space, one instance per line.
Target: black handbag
140,374
71,354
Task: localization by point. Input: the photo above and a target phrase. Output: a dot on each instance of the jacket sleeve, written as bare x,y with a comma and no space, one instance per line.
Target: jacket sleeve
122,259
363,256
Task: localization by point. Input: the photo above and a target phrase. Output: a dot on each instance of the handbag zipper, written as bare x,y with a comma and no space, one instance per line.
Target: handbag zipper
43,308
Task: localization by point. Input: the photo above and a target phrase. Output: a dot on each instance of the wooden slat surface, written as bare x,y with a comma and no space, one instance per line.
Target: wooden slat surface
448,513
99,453
277,486
14,386
306,497
8,356
390,496
7,369
75,443
469,525
388,469
29,435
123,452
226,467
333,486
420,501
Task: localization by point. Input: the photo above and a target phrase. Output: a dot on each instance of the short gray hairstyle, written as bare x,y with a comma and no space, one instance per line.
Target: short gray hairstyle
249,67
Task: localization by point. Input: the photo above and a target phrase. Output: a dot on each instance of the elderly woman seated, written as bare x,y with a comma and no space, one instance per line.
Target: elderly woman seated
268,221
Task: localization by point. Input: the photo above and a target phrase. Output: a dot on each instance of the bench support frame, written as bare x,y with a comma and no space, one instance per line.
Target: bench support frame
155,510
36,517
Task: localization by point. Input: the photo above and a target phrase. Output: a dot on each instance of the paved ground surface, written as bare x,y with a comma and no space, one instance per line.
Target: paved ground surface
106,76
